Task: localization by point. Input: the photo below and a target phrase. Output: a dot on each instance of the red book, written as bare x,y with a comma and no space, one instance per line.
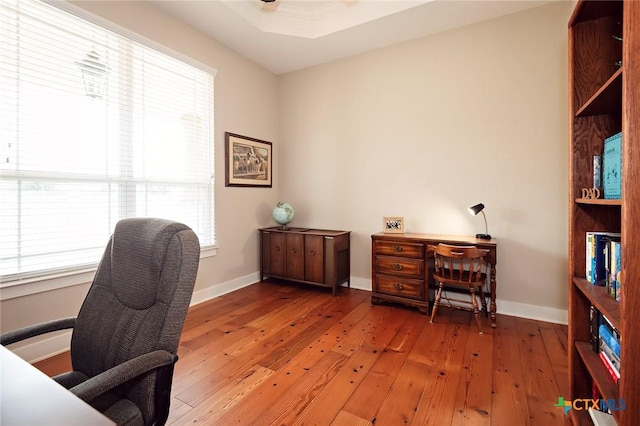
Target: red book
612,371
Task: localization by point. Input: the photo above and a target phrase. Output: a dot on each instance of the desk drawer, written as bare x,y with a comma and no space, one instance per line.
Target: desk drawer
402,287
406,267
400,248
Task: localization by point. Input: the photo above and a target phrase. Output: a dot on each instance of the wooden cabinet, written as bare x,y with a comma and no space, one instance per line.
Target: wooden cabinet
604,99
314,256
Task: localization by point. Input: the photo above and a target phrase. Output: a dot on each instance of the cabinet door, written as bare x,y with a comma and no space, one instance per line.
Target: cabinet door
277,254
314,258
295,256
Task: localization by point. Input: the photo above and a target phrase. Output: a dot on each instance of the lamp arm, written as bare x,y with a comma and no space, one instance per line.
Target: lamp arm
486,228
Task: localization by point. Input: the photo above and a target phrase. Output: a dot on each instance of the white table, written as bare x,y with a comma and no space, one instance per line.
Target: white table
30,397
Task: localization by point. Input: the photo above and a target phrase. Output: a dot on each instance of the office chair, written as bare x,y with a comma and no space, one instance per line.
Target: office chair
125,338
460,266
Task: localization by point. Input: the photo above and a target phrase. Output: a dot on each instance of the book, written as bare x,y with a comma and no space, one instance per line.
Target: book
612,167
596,256
606,335
596,318
615,375
614,270
612,357
600,418
597,171
614,331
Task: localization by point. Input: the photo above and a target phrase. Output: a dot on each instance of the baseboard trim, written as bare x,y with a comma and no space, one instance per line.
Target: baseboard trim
48,347
44,348
209,293
504,307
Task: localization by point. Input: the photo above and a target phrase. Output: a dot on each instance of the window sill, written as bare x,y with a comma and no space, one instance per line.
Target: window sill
27,287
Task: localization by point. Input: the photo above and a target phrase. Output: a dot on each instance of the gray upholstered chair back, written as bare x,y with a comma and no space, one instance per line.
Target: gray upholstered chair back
137,302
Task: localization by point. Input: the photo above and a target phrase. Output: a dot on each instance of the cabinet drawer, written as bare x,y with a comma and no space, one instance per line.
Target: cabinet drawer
403,287
400,248
406,267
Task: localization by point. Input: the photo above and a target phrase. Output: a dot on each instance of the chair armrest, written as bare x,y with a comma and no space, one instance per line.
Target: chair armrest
122,373
36,330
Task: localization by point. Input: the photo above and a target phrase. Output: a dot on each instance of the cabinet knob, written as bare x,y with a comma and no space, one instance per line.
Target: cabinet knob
397,266
397,248
398,286
277,248
313,252
294,250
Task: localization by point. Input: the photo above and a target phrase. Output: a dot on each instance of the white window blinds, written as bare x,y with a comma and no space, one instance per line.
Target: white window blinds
94,127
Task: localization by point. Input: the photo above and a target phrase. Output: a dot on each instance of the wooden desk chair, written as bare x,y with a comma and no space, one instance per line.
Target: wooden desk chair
460,266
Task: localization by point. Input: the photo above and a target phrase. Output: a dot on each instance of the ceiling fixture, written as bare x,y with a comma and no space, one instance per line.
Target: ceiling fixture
268,1
94,74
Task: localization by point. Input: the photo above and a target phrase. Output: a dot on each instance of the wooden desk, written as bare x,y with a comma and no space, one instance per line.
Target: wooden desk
401,268
30,397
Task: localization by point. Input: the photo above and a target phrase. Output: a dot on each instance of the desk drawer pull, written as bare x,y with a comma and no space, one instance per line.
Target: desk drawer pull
398,286
397,248
398,266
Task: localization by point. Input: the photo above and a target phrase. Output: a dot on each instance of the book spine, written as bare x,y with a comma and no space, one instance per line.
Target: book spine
607,336
589,259
610,369
608,352
599,270
596,319
615,269
597,171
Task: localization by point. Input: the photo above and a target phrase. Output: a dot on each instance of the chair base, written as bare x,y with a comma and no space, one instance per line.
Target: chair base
473,302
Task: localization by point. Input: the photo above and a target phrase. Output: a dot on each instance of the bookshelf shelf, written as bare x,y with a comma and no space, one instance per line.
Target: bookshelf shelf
608,388
604,99
599,201
598,297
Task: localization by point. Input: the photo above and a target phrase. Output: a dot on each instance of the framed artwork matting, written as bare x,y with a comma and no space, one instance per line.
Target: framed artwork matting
248,161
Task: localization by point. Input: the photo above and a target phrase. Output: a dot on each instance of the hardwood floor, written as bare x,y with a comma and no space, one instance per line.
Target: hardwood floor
285,354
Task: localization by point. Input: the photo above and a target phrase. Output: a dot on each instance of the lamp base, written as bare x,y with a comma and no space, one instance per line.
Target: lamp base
483,236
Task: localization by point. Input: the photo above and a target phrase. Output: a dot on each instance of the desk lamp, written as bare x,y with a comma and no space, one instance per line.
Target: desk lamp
474,210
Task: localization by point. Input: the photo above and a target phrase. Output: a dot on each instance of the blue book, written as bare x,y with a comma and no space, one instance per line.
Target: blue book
596,256
607,337
612,167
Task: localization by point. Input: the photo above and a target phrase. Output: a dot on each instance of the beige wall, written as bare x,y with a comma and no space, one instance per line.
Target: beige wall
421,130
430,127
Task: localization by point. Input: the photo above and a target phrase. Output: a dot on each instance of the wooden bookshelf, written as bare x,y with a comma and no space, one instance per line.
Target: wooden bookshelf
604,99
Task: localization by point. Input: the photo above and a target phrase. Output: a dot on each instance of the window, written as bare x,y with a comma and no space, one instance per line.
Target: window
94,127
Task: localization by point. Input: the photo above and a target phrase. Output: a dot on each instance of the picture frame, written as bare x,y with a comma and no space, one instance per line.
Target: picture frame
393,225
248,161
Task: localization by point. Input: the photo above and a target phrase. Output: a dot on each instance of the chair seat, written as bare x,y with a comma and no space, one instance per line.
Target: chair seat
458,279
125,413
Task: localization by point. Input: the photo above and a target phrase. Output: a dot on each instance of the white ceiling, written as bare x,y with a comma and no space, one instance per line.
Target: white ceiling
288,35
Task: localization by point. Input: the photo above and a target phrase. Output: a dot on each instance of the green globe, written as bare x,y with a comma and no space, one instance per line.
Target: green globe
283,213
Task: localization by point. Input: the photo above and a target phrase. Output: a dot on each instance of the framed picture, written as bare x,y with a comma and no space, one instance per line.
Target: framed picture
247,161
393,225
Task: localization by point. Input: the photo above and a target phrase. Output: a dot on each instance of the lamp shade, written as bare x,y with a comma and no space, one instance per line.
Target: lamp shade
474,210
